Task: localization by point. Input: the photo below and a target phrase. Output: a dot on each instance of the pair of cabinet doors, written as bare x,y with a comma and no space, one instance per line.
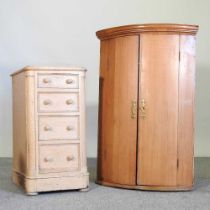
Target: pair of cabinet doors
146,110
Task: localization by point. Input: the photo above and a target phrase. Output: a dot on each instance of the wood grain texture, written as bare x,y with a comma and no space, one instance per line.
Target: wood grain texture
136,29
164,131
186,111
117,130
61,160
157,161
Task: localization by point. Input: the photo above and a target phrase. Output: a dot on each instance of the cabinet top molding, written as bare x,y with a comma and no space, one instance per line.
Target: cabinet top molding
48,68
143,28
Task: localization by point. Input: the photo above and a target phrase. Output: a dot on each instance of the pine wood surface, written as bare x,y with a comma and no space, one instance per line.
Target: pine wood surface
49,129
156,70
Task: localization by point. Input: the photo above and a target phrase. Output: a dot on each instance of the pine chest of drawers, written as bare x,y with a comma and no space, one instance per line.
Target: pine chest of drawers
49,129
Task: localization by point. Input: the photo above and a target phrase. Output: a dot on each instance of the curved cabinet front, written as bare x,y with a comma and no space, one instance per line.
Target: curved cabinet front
146,107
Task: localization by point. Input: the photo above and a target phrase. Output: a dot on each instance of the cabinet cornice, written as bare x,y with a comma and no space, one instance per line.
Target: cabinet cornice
146,28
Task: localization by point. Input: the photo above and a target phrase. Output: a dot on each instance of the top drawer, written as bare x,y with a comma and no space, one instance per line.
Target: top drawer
58,81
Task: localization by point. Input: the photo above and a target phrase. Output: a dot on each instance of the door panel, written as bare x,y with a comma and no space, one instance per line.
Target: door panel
186,110
117,129
157,140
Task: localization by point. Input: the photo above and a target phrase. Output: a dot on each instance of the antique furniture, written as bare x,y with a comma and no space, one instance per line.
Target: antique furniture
49,129
146,108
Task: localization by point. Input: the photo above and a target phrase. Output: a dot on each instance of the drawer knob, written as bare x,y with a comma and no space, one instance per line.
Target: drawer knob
48,160
69,81
47,102
48,128
68,102
69,128
46,81
70,158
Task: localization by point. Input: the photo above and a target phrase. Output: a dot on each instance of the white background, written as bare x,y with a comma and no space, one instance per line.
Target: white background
62,33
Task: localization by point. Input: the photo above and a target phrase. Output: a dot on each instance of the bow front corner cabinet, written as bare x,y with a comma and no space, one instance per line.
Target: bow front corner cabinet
146,106
49,129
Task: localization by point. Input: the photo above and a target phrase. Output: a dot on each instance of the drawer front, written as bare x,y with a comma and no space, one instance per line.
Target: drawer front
58,102
58,81
58,158
58,127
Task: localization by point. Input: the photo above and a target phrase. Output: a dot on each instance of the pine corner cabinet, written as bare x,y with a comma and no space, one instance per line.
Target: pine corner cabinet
49,151
146,107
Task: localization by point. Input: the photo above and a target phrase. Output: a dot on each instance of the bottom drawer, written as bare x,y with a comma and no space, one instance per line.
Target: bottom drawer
58,158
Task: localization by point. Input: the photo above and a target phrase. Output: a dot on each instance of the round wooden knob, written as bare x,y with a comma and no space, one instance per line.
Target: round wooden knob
68,102
70,158
69,81
46,80
69,128
48,128
47,102
47,159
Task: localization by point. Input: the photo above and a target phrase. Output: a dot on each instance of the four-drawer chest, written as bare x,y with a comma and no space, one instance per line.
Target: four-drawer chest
49,151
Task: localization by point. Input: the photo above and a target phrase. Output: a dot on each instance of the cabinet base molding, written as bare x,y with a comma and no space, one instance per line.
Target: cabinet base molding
34,186
149,188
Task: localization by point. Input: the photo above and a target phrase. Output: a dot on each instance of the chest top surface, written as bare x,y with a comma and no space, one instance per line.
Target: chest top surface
48,68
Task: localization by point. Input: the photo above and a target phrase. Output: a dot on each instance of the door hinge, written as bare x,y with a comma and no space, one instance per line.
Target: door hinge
177,163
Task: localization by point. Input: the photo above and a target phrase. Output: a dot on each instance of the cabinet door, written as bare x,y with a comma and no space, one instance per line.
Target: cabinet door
186,111
158,114
117,125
